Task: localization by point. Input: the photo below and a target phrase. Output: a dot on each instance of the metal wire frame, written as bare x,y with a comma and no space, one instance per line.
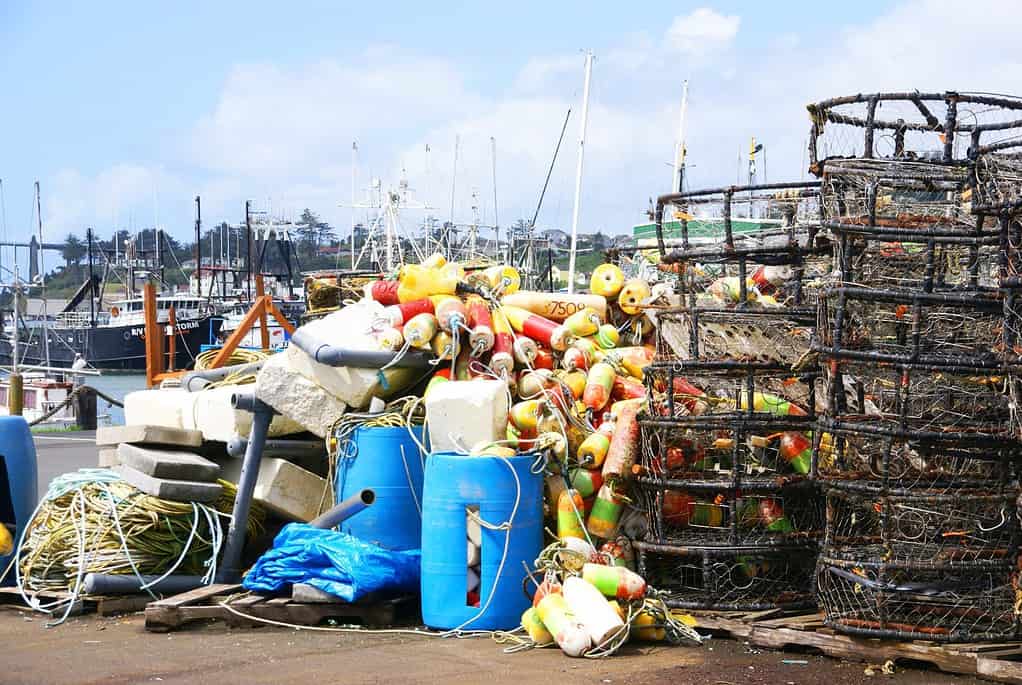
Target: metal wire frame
961,602
777,335
872,463
997,179
913,125
915,400
786,511
896,326
750,578
922,527
789,209
725,390
898,194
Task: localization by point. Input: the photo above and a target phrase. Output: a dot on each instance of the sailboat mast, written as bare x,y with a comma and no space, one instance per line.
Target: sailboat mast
42,272
678,177
578,173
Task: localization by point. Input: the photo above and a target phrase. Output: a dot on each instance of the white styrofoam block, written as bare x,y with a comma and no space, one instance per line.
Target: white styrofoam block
296,397
287,490
158,407
462,413
350,328
212,413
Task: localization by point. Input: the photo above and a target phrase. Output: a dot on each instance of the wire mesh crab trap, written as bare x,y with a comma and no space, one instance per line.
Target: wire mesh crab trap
729,579
955,328
899,462
744,246
947,128
955,602
770,336
921,526
681,512
998,178
725,390
921,401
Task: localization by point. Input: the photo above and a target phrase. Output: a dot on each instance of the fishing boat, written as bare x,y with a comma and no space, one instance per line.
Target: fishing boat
42,394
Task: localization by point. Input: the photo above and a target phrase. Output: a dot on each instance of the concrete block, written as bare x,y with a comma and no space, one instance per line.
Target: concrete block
158,407
350,328
170,464
287,490
302,592
108,457
177,490
148,435
462,413
211,413
297,397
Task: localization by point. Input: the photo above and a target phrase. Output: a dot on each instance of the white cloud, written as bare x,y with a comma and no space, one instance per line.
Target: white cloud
702,32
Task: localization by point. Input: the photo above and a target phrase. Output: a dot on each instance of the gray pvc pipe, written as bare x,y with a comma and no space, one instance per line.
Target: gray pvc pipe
112,584
363,359
262,414
345,510
193,381
237,445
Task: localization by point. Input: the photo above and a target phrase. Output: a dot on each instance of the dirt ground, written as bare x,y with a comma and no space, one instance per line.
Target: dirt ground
116,650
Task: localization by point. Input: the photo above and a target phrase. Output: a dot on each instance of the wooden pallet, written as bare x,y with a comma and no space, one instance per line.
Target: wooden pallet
111,605
208,603
1000,662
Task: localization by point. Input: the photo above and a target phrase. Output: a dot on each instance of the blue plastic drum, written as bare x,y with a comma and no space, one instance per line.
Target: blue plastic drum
388,461
455,487
18,480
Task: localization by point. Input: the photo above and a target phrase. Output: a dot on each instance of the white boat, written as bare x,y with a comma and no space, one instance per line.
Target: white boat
41,395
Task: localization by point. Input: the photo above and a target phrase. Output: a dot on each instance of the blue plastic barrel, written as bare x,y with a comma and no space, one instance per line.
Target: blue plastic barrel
18,480
454,483
388,461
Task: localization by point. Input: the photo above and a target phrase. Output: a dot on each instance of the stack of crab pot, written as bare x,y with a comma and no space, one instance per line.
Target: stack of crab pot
732,515
912,448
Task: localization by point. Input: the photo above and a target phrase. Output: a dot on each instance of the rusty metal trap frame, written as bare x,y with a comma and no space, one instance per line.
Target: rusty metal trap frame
920,401
891,326
775,335
903,260
734,452
683,512
699,391
749,578
870,462
911,196
997,178
940,128
923,527
967,601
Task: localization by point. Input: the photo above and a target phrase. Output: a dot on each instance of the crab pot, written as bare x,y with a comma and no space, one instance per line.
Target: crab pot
760,512
998,179
929,402
729,579
961,328
908,260
730,452
901,194
724,390
953,602
921,526
901,462
753,334
947,128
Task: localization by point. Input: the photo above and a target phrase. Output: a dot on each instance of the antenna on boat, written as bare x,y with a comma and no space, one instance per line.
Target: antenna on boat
496,220
678,175
42,271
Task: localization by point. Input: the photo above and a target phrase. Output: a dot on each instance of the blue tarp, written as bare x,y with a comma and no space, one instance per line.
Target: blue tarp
334,562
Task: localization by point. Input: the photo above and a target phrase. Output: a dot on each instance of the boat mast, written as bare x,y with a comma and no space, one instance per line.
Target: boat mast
92,291
578,173
678,177
354,173
42,273
496,220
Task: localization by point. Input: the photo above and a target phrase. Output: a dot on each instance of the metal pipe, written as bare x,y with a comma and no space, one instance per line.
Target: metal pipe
237,446
193,381
366,359
262,414
345,510
118,584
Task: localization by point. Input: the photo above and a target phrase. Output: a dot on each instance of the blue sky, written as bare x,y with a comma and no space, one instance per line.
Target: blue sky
126,110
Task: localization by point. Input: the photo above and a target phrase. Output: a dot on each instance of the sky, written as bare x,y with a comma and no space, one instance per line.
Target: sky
125,111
